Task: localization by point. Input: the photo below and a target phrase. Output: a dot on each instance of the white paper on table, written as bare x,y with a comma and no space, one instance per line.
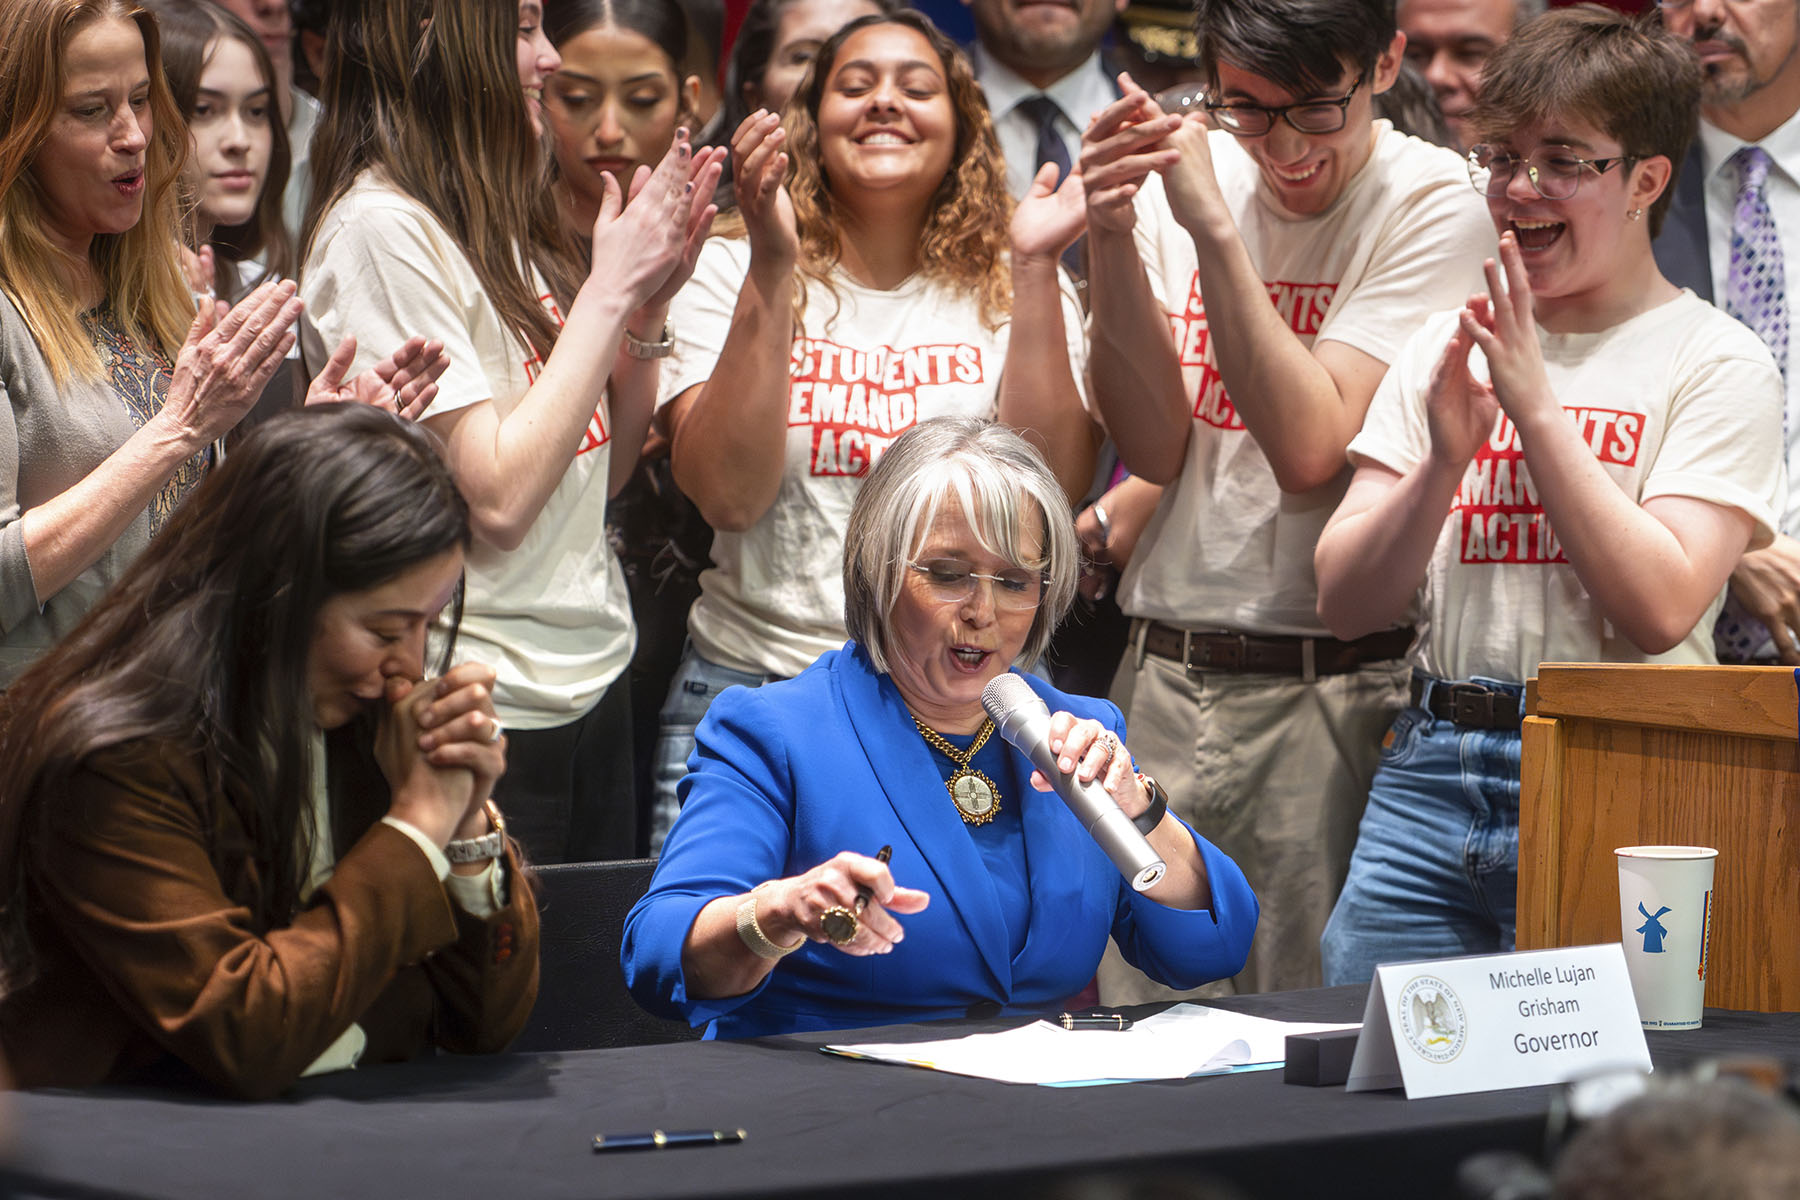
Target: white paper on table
1185,1040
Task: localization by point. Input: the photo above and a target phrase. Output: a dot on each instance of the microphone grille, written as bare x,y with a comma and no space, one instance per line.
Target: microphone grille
1004,693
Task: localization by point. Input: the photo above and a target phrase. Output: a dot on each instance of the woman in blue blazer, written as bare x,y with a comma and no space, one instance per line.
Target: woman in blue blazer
752,923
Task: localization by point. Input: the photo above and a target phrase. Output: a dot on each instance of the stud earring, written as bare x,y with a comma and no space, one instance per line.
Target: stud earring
1635,213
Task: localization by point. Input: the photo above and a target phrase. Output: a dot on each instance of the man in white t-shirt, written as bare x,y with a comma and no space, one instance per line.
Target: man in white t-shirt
1261,726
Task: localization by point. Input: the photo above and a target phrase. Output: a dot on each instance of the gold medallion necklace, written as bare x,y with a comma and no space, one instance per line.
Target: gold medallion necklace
976,796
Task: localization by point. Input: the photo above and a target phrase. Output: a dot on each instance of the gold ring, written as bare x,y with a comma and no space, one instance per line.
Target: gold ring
839,924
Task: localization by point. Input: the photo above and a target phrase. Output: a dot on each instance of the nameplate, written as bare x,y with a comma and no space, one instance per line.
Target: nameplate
1495,1021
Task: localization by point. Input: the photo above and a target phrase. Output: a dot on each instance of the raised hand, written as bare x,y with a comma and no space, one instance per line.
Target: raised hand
1122,145
228,358
708,165
1049,218
1460,410
405,382
637,243
1505,328
1192,185
762,195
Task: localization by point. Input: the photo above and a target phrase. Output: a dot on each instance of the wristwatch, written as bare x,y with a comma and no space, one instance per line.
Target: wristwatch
637,347
489,845
1151,817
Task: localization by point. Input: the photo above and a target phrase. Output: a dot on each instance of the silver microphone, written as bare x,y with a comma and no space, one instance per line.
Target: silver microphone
1024,720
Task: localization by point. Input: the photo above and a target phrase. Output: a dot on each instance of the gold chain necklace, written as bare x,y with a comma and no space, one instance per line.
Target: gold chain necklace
976,796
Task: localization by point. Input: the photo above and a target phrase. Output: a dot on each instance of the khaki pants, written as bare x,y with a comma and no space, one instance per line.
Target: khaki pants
1275,772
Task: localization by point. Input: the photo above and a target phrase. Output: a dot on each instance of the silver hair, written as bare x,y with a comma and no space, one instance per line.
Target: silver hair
992,474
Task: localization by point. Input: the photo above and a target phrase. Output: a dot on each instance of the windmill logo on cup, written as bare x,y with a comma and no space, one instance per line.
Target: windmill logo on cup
1432,1019
1665,910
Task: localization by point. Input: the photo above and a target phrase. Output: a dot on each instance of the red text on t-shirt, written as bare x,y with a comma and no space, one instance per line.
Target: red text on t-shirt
1497,517
1302,307
857,401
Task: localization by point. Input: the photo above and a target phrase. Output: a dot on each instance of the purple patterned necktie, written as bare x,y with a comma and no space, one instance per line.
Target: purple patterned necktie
1756,294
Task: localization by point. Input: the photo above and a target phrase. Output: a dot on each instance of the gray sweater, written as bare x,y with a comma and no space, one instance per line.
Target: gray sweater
50,439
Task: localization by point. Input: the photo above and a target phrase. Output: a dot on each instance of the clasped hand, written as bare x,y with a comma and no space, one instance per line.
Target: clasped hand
436,745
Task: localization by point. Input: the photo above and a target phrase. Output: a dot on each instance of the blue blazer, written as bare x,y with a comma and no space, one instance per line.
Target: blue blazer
785,776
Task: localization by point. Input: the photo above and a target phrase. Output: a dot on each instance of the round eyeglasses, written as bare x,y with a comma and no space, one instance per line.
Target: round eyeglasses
1554,171
1016,589
1310,116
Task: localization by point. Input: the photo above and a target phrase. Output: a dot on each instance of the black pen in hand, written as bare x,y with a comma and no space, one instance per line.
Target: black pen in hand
863,894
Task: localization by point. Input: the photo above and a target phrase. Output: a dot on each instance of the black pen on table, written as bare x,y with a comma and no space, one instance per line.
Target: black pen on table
1116,1022
658,1139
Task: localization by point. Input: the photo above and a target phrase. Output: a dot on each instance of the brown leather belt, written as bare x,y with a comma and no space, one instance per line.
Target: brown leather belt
1468,705
1243,653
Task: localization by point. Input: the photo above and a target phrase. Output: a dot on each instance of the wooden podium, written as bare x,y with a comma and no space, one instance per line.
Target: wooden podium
1623,755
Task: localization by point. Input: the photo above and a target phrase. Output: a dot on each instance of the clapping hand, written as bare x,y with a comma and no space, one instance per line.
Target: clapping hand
405,382
1504,325
640,241
228,358
1123,144
1049,218
762,194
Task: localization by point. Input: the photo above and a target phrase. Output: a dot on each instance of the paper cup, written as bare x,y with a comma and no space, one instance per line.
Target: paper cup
1665,913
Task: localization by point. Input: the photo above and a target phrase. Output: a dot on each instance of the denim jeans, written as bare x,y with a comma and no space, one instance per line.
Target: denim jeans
691,692
1436,865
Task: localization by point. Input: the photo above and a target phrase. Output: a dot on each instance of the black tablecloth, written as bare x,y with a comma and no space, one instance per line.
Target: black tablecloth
521,1125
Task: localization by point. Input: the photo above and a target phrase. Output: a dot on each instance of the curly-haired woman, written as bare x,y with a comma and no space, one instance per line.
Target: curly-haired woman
882,277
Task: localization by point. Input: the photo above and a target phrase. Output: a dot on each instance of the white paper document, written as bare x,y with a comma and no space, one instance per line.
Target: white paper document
1188,1039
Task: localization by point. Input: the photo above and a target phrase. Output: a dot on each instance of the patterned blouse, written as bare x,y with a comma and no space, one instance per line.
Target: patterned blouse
141,381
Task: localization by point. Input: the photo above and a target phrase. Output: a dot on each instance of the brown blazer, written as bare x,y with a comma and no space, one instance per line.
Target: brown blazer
145,952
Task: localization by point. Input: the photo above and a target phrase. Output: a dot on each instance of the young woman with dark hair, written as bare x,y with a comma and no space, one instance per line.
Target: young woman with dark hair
430,211
238,832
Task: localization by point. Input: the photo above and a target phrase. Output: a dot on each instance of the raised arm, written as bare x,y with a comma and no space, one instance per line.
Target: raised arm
635,377
508,467
728,436
1375,549
1134,368
1652,568
1038,396
219,374
1301,405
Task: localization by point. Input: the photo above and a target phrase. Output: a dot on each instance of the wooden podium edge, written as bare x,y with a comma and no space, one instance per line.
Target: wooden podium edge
1540,827
1744,701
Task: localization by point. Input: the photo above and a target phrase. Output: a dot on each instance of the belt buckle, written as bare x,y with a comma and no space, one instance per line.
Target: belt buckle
1472,705
1219,652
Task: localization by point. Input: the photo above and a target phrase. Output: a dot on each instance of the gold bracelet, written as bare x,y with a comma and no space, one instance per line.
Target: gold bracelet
751,932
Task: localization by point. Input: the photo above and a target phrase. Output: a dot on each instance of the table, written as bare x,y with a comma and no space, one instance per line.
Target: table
521,1125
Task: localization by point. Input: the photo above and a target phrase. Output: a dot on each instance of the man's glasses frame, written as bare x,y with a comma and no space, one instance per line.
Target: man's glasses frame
1309,116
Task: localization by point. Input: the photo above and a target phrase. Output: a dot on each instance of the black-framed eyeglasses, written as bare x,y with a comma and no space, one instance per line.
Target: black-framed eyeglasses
953,582
1555,171
1310,116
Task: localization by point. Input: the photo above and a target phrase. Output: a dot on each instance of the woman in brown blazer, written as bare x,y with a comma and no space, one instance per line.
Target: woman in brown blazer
241,835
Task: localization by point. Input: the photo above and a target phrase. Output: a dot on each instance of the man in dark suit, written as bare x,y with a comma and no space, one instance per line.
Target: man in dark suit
1733,236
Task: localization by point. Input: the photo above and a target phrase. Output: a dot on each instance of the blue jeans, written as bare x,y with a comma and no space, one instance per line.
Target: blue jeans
1436,866
696,682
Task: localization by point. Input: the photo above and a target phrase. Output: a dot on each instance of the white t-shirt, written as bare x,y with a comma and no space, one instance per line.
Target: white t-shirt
1678,401
866,366
551,617
1227,548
